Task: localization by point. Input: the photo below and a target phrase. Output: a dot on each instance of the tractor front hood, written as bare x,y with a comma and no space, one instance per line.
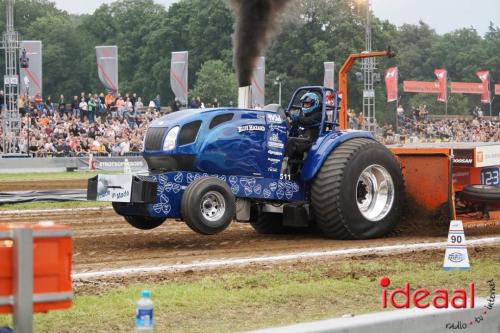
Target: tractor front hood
183,117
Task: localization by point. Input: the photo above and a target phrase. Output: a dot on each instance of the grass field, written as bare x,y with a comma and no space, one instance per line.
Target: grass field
269,296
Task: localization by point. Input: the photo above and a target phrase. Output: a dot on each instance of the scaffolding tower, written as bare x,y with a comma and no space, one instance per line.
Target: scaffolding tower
368,67
11,121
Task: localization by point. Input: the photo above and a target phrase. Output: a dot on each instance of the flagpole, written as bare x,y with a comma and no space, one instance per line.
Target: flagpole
397,115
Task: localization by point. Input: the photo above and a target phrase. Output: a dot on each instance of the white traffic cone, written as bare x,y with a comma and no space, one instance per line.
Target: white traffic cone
456,256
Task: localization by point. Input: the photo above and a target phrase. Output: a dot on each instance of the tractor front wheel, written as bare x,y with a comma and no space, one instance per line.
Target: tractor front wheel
208,206
358,192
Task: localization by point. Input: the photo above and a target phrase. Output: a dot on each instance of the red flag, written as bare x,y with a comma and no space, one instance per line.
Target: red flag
484,76
442,77
391,84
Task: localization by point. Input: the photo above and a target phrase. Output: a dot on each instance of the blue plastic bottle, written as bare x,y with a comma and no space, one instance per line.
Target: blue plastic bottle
144,313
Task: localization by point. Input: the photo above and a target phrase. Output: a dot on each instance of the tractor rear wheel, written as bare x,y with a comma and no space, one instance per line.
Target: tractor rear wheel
358,192
144,222
208,206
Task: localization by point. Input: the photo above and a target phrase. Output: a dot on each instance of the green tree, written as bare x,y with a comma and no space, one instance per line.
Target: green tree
216,80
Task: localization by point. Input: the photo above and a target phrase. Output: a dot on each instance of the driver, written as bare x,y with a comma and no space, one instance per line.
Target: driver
307,124
309,118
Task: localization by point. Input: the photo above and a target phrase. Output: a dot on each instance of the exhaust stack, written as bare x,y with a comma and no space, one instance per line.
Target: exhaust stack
245,97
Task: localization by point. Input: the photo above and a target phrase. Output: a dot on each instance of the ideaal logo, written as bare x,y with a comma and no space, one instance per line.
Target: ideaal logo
460,298
422,298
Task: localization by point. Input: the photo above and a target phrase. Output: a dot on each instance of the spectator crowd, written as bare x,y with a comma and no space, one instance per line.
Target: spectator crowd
89,123
419,127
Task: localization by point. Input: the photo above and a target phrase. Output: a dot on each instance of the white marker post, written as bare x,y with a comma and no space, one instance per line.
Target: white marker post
456,256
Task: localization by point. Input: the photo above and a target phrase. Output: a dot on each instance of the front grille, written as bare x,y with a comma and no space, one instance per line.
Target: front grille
154,138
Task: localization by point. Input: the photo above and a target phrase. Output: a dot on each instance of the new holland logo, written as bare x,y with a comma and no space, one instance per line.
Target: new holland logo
456,257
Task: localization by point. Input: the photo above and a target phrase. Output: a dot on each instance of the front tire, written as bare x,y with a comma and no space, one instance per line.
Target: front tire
208,206
358,192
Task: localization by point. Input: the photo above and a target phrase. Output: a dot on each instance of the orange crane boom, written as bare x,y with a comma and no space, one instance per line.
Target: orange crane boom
344,70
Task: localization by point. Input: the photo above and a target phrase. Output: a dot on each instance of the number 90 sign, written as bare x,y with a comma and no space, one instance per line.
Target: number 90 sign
490,176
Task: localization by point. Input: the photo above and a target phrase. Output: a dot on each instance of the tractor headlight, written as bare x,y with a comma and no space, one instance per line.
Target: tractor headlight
171,139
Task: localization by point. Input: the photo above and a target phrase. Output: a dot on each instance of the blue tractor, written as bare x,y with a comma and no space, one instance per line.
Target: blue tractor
208,167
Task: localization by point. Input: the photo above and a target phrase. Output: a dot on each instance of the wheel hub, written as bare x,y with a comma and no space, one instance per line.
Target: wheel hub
375,193
213,206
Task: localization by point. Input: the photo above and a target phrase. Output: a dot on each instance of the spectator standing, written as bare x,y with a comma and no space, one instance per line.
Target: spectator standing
75,106
120,106
176,105
157,103
108,100
138,105
133,99
360,120
91,107
83,109
21,105
2,100
62,106
194,103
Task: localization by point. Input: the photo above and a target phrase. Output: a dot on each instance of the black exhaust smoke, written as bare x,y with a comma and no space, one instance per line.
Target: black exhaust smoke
255,22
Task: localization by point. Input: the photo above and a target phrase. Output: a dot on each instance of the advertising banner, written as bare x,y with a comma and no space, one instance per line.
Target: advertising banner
442,77
391,84
113,163
31,76
329,78
421,87
466,88
179,75
259,82
107,67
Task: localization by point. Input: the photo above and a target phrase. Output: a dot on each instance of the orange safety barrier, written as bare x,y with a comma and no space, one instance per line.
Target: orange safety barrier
432,181
51,266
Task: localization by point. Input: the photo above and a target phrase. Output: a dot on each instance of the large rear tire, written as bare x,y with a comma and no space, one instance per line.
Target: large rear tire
358,192
144,222
208,206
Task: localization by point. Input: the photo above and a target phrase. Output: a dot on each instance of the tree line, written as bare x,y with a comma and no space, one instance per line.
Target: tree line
311,32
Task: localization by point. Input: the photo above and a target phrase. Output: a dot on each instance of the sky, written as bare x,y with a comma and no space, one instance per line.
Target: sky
442,15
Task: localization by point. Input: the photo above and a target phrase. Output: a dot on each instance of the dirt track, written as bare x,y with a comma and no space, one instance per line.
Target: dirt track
103,240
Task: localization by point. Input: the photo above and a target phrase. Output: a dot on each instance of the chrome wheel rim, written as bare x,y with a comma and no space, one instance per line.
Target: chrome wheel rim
213,206
375,193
